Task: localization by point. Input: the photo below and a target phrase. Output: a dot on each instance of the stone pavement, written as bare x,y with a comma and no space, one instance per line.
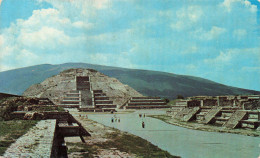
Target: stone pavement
37,142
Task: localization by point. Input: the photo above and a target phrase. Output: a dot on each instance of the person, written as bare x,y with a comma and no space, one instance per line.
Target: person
143,125
115,119
140,115
119,120
112,120
144,115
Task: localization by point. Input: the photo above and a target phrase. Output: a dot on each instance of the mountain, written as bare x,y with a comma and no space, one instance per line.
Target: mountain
149,83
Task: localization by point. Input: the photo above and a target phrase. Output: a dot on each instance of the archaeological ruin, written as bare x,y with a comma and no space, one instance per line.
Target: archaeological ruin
91,91
225,111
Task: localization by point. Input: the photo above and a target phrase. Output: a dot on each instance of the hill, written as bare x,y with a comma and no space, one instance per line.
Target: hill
149,83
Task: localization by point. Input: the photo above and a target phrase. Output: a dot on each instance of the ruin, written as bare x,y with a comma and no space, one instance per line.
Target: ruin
91,91
226,111
145,103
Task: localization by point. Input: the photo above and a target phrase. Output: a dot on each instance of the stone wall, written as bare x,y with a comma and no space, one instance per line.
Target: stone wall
37,142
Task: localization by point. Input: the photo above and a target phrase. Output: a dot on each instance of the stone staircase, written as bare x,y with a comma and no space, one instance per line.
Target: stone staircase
101,103
182,113
191,114
234,120
209,117
252,120
71,100
201,115
145,103
224,115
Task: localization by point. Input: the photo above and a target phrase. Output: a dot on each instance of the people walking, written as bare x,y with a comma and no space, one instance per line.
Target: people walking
143,125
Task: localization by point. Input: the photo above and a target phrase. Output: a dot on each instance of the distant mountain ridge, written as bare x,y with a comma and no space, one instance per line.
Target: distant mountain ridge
149,83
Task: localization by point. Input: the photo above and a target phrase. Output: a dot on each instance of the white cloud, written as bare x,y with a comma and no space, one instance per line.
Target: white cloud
186,17
45,38
222,58
213,33
229,57
229,4
82,25
239,33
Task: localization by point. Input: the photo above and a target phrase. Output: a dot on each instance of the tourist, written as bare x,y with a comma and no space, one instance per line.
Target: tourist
119,120
112,120
143,125
144,115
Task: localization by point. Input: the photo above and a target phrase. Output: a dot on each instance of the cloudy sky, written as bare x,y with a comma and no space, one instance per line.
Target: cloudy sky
213,39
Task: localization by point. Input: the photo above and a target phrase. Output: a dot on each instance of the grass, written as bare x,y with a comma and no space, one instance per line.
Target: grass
12,130
123,142
40,108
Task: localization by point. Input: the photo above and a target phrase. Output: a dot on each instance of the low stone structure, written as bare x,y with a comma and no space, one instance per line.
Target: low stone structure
227,111
38,141
145,103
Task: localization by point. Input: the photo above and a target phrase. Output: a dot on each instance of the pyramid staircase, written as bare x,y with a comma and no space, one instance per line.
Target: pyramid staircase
71,100
145,103
101,103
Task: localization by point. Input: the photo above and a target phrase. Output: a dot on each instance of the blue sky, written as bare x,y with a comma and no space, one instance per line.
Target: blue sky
214,39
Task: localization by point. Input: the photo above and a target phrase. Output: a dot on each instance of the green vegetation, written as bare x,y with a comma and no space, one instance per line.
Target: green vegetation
173,102
124,143
149,83
12,130
48,108
5,111
180,97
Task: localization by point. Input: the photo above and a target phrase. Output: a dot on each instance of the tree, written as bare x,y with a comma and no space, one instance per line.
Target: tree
180,97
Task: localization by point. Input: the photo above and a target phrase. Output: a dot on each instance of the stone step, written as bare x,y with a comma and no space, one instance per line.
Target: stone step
105,106
146,107
99,94
103,102
146,103
101,98
211,114
71,99
250,124
97,91
191,114
221,118
145,98
74,91
235,119
72,95
70,102
69,105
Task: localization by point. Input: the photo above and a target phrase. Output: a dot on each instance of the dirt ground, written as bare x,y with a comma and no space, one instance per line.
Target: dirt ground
99,134
107,142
